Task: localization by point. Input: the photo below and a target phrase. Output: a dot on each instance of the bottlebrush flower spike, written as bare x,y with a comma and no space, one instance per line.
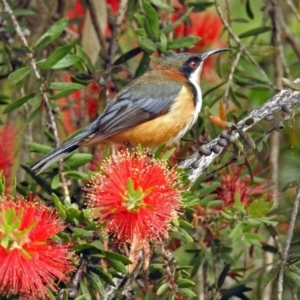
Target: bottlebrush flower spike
135,197
29,259
235,182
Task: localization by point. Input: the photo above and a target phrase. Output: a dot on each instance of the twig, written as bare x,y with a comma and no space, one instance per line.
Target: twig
230,76
113,47
97,27
42,89
279,66
238,41
288,243
199,162
294,9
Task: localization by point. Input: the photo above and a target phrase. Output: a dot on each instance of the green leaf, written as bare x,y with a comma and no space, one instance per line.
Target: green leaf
162,5
184,42
55,182
143,65
60,86
63,93
206,189
117,265
41,148
17,103
4,97
146,44
234,98
237,231
84,289
168,154
238,203
249,10
159,150
77,174
181,235
185,283
52,33
55,57
5,242
187,293
97,283
145,29
152,17
19,74
215,203
82,232
223,275
58,204
68,61
104,276
202,6
162,288
163,42
97,244
173,25
85,58
185,224
18,12
78,159
33,114
119,257
206,200
128,55
255,31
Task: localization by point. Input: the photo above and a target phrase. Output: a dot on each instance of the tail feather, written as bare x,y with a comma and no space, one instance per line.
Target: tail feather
53,157
66,148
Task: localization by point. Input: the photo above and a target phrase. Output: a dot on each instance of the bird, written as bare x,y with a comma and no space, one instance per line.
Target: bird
156,108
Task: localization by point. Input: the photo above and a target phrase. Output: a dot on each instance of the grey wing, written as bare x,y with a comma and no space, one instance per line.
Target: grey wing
137,103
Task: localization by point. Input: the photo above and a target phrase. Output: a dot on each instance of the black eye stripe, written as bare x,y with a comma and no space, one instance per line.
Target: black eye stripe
191,65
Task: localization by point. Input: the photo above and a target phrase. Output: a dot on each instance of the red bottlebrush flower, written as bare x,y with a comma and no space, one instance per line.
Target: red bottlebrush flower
135,197
206,25
76,15
7,150
234,182
29,258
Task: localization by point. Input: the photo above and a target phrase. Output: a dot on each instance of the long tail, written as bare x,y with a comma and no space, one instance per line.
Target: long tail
64,149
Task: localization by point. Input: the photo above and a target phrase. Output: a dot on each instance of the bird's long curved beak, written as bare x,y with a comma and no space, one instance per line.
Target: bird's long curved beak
212,52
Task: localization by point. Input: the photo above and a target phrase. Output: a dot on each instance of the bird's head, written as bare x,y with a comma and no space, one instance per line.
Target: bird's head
189,64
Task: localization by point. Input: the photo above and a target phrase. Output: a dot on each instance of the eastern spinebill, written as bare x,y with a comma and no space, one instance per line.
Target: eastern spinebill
158,107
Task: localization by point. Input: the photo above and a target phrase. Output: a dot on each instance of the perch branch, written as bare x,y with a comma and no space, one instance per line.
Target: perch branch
198,162
42,89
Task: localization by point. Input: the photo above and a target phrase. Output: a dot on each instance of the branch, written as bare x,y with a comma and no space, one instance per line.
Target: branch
114,43
42,89
238,41
288,243
97,27
198,162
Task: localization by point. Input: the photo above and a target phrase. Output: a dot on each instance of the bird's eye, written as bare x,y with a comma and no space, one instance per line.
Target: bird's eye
193,64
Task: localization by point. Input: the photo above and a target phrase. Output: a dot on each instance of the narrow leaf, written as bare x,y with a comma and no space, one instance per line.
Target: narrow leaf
175,24
19,74
55,57
60,86
12,106
255,31
52,33
184,42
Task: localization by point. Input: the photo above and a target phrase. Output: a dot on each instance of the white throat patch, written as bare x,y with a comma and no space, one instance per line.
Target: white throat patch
195,80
